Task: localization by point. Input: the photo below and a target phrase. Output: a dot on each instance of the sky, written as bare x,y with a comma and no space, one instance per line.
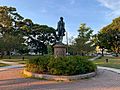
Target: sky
95,13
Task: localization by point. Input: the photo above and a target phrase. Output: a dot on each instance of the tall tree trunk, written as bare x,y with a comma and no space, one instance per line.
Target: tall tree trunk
9,54
102,51
2,54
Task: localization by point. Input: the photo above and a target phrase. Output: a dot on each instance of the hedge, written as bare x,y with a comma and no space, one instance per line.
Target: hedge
71,65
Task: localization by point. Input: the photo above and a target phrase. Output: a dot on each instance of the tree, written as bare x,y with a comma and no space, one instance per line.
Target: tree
13,26
9,39
45,36
110,36
8,18
2,48
100,41
10,43
83,44
39,36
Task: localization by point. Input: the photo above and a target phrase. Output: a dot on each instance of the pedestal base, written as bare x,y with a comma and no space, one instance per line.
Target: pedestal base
59,50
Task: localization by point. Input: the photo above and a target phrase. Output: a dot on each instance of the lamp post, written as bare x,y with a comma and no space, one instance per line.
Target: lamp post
67,41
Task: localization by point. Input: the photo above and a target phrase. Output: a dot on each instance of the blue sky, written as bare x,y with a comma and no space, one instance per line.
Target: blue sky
95,13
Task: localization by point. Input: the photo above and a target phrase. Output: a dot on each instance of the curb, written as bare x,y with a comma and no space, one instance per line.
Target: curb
59,78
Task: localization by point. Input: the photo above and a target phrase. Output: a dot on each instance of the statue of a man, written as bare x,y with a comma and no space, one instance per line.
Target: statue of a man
61,29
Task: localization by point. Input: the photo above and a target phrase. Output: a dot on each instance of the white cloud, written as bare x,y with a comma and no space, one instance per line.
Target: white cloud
113,5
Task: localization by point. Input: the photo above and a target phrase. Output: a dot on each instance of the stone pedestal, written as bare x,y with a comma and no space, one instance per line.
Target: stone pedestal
59,50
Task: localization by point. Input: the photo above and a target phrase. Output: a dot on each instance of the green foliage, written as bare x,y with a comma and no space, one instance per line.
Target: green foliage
33,35
38,36
83,43
10,38
109,36
11,42
38,65
71,65
8,18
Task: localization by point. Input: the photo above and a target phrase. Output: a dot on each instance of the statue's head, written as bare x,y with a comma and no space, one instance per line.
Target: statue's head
61,18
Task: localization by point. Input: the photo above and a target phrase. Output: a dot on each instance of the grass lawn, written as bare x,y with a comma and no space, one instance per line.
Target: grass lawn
1,65
19,58
113,62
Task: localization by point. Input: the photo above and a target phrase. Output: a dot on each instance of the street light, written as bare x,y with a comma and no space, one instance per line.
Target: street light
67,41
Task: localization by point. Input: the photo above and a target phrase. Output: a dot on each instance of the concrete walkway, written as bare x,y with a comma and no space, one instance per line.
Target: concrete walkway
12,65
92,59
109,69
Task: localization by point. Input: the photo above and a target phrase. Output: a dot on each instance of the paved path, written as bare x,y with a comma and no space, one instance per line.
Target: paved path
92,59
12,65
12,79
109,69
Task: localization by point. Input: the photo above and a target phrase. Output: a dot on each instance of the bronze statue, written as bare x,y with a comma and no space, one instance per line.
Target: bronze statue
61,29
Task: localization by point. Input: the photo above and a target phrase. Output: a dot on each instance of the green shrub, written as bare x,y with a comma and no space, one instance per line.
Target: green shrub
38,65
71,65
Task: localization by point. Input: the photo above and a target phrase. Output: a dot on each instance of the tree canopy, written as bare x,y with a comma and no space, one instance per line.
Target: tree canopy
16,31
83,44
109,36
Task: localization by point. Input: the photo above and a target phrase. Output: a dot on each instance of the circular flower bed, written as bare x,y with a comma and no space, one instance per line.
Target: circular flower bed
71,65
